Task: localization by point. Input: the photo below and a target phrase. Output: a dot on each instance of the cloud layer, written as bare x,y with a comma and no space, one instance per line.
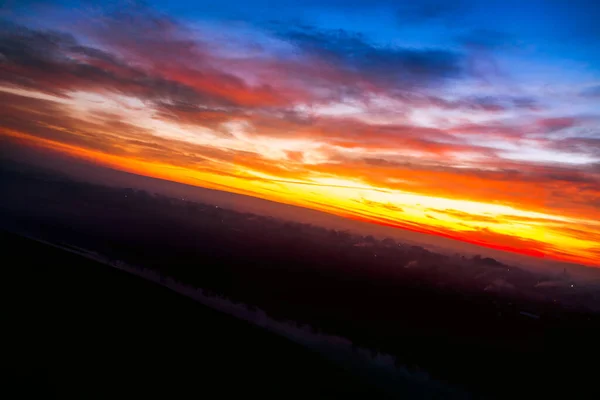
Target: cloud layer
440,139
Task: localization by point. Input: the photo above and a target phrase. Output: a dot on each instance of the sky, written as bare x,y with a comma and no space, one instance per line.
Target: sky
475,120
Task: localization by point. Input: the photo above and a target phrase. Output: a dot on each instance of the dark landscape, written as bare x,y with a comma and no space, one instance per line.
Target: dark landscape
76,329
476,324
315,199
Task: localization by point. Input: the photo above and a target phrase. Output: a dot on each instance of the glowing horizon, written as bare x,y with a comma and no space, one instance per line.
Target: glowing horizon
457,139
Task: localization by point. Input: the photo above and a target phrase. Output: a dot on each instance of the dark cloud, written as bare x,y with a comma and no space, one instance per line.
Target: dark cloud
199,115
526,103
480,103
489,103
500,129
168,48
431,11
106,133
579,145
486,39
55,62
50,121
513,102
593,92
394,67
139,53
154,58
549,125
142,33
348,134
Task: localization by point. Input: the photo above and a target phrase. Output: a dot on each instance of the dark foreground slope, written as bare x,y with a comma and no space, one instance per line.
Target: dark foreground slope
74,328
475,324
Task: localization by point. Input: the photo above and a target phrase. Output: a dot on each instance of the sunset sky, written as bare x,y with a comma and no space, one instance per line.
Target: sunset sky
476,120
